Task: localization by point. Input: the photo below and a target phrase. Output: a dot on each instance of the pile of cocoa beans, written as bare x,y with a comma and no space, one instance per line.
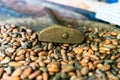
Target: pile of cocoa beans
24,57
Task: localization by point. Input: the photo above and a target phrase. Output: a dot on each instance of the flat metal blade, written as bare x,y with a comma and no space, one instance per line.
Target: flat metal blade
60,34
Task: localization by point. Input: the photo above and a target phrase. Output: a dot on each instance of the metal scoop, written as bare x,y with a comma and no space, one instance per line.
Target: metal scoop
60,34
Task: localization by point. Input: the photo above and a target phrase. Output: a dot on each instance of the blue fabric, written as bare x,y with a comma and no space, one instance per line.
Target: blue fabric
112,1
11,13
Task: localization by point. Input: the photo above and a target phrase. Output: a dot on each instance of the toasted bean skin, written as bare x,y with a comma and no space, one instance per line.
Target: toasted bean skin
114,33
33,75
17,72
15,64
21,52
53,67
26,73
78,50
14,78
45,76
63,53
21,57
39,77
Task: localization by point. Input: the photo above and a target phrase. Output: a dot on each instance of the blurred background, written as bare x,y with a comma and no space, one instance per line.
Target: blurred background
77,9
